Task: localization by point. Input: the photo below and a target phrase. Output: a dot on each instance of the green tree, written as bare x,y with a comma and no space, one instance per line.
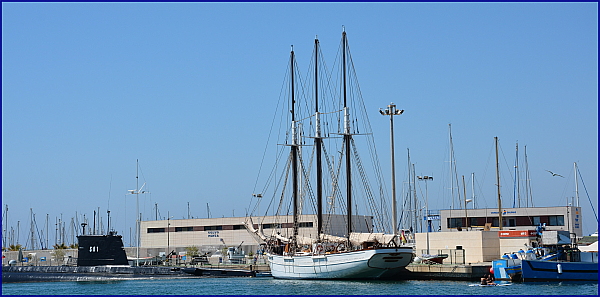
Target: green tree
15,247
61,246
191,251
59,254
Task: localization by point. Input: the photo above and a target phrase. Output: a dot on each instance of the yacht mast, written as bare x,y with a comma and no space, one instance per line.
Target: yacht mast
528,196
414,204
347,140
576,184
294,151
451,165
518,178
410,193
517,185
498,184
473,188
137,216
31,228
318,144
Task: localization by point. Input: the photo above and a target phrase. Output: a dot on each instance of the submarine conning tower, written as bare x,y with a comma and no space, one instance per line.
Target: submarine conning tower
101,250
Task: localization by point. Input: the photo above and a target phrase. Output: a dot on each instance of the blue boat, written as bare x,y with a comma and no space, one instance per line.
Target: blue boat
543,270
554,258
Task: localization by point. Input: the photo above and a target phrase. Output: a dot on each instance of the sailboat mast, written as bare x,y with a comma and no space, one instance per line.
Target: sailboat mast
294,151
473,188
31,229
137,211
409,194
518,178
576,184
318,144
498,184
451,167
517,188
347,139
414,204
465,200
528,197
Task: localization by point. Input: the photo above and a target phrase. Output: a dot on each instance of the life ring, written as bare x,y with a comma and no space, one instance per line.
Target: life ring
340,247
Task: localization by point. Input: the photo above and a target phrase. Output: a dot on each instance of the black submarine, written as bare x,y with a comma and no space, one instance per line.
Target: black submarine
100,258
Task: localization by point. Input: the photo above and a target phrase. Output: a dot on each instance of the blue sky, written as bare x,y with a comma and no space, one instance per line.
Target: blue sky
189,89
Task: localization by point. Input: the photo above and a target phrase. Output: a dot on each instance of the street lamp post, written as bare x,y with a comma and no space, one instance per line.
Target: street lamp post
392,111
426,178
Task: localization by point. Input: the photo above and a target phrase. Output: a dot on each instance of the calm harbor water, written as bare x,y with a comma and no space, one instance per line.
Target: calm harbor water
270,286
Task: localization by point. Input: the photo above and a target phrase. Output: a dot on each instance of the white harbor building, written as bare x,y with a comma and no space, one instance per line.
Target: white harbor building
474,235
210,235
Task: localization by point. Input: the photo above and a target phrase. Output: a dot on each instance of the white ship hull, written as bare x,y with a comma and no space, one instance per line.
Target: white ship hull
362,264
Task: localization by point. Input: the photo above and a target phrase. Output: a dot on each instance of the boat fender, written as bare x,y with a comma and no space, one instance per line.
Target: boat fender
559,268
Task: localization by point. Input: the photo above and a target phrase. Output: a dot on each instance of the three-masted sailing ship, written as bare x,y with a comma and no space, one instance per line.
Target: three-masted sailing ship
361,249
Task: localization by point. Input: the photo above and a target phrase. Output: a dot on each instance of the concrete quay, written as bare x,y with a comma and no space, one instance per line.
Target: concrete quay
472,272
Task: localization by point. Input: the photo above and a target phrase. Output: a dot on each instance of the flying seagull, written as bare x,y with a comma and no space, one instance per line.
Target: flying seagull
555,174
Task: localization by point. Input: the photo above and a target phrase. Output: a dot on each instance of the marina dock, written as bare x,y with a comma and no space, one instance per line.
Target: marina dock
446,271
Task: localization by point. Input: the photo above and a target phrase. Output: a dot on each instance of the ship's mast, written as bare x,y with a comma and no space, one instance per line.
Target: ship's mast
518,177
473,188
137,211
498,184
517,186
318,144
294,151
31,228
576,184
347,140
528,196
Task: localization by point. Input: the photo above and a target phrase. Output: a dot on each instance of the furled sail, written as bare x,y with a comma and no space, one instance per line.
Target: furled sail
359,238
250,227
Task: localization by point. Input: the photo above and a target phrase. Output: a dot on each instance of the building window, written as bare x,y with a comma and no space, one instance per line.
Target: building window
182,229
494,222
455,222
156,230
520,221
473,222
239,227
512,222
306,225
269,226
556,221
207,228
